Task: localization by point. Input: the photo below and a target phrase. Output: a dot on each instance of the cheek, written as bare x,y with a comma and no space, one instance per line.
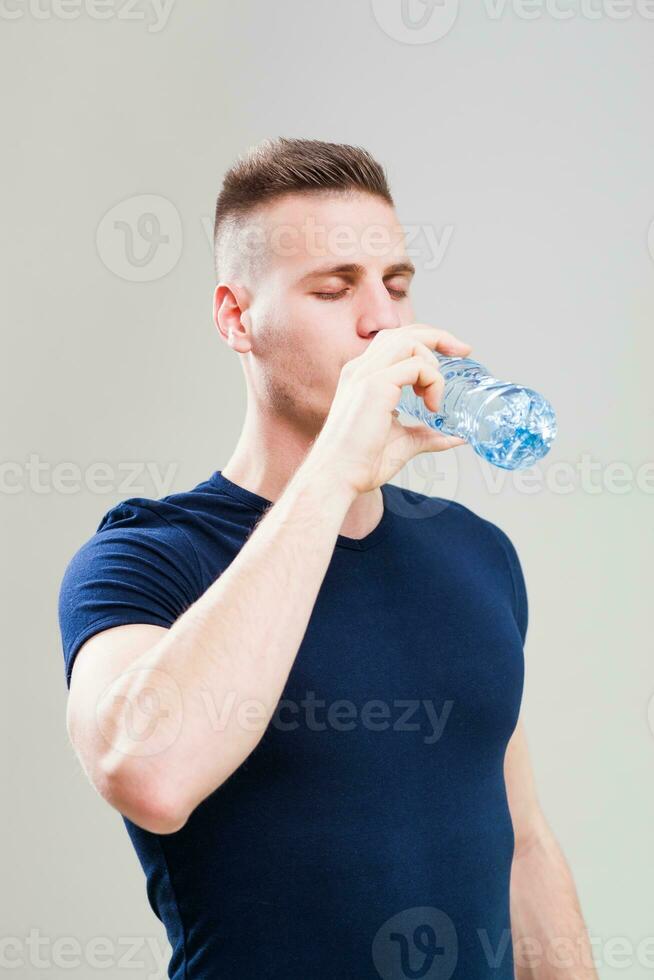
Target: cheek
407,314
293,359
301,346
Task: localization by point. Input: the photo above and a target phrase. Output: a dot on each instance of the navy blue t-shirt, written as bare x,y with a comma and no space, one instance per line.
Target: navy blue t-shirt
368,834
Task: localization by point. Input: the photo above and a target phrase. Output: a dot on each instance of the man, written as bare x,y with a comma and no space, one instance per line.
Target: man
299,684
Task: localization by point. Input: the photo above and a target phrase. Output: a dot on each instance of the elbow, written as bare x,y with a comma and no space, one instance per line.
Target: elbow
139,797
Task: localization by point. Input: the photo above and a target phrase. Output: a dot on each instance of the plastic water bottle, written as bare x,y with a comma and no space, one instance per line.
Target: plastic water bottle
507,425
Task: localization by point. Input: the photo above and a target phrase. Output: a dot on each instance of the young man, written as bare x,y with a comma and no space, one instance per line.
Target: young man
299,684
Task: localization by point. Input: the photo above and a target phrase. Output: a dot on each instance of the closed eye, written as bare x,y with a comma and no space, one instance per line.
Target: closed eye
395,293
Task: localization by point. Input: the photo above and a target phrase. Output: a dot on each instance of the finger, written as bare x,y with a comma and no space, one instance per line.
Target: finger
433,395
422,348
397,344
442,340
415,370
421,372
426,440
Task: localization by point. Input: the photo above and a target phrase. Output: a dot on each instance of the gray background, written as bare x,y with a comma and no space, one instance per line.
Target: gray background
531,141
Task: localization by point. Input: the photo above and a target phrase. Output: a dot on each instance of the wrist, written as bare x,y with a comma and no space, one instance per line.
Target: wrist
325,477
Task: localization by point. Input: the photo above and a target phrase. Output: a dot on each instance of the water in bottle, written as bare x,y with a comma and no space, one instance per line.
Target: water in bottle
508,425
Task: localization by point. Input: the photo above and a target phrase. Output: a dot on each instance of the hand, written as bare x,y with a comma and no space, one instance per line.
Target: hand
361,441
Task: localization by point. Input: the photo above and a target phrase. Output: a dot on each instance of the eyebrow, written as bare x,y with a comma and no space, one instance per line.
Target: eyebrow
353,270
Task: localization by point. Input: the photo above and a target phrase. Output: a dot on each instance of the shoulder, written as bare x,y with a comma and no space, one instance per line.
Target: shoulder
507,559
446,512
409,503
139,566
143,512
176,516
478,539
171,510
138,529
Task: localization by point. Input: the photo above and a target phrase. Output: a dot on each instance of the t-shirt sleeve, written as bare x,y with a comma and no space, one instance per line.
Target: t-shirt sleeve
520,600
139,567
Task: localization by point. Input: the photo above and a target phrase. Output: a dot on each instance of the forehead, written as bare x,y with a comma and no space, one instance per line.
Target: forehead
300,232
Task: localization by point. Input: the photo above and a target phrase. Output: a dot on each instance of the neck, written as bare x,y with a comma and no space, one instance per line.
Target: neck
268,453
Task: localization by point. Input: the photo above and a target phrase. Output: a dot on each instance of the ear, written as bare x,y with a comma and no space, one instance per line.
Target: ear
230,314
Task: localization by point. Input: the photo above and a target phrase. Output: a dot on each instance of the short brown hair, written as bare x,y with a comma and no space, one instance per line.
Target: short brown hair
281,166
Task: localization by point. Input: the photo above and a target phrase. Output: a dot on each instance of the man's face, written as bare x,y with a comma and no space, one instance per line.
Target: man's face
335,273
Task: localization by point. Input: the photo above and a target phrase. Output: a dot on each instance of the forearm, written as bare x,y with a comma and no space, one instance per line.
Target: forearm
550,940
235,644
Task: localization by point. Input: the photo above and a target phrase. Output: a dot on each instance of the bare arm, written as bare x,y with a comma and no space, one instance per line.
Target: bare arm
180,717
211,683
550,941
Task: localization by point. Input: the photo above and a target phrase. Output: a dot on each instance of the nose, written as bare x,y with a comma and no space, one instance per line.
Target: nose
378,311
